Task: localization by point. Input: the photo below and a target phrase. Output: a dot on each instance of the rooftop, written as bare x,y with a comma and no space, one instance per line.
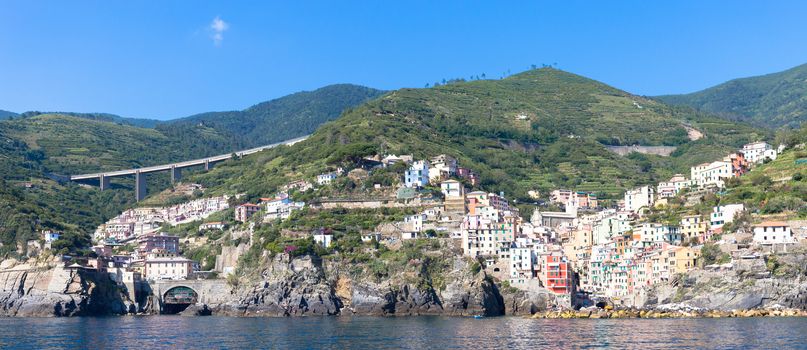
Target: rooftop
771,224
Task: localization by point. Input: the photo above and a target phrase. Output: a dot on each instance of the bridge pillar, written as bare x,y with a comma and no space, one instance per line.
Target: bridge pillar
176,174
103,182
208,165
140,186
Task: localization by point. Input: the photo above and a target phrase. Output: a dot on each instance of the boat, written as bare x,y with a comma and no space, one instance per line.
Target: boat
478,316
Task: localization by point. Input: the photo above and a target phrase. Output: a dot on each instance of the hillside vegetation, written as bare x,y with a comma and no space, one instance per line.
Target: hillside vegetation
29,202
772,100
69,145
276,120
34,146
778,186
542,129
6,114
107,117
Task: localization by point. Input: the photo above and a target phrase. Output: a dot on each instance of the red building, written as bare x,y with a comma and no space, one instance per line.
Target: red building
558,273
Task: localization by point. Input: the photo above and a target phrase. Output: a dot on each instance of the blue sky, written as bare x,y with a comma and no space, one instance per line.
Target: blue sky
165,59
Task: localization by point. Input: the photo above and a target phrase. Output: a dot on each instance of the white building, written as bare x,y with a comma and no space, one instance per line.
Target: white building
442,167
452,188
324,239
481,237
522,261
410,235
414,223
756,152
369,237
712,174
417,175
160,264
773,232
50,236
671,188
327,178
724,214
657,234
642,197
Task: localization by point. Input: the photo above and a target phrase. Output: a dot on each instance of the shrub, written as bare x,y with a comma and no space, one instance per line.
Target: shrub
781,204
710,253
476,267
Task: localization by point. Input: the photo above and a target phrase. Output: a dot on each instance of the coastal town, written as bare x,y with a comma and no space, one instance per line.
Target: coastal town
432,174
586,249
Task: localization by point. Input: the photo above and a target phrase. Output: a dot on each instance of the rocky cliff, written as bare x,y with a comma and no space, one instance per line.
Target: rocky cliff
54,291
772,282
309,285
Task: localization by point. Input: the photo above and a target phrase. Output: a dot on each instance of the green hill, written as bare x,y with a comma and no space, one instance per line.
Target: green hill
30,202
72,143
541,129
36,145
6,114
772,100
280,119
69,145
139,122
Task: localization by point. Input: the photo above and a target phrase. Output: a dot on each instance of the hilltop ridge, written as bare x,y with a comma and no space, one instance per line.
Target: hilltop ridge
771,100
539,129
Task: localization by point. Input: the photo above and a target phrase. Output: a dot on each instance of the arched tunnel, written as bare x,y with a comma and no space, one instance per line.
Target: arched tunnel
177,299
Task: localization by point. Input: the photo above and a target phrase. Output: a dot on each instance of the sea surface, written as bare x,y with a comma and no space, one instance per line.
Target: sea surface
176,332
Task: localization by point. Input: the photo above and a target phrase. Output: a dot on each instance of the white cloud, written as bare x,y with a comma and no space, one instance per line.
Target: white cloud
217,27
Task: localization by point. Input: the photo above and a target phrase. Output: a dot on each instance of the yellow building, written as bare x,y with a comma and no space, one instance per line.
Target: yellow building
683,259
693,226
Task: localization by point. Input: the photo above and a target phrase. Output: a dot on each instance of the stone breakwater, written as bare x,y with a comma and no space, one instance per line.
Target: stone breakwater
634,313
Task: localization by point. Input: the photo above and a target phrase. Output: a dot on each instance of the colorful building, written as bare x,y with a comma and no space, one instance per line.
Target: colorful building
244,211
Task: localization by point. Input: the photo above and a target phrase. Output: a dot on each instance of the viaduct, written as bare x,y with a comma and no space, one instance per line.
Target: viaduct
174,168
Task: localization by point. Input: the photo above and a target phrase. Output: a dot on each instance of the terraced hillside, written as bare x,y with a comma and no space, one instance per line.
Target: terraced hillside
538,130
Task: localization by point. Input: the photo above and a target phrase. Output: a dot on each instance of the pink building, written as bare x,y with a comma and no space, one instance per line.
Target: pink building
147,244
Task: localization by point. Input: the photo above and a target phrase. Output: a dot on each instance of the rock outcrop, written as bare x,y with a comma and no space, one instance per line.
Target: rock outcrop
749,284
306,286
56,291
288,287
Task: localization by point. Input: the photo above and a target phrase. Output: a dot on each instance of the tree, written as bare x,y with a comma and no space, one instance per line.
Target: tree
352,153
709,254
761,181
71,242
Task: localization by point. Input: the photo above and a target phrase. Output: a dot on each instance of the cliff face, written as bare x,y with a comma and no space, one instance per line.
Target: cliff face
769,283
308,286
286,288
55,291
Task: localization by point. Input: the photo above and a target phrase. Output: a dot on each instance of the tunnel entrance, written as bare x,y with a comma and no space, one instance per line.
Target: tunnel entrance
177,299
